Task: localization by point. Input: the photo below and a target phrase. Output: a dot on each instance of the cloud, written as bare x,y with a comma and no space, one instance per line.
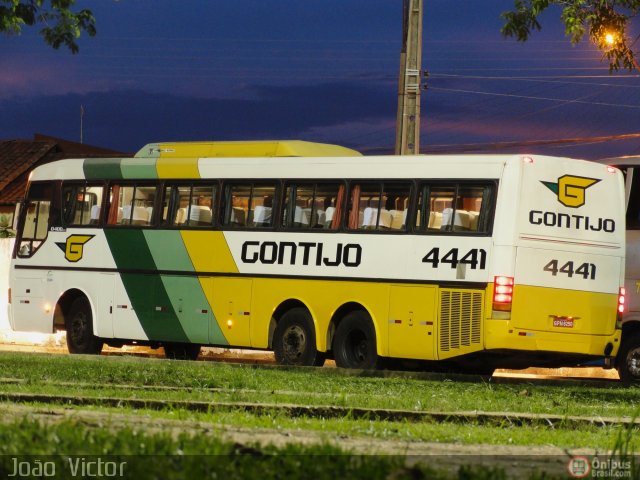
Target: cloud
126,120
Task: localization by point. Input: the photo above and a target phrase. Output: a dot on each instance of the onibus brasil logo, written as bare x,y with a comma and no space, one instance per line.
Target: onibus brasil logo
571,190
74,246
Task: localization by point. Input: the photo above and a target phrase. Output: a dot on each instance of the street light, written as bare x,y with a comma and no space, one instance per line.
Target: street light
610,39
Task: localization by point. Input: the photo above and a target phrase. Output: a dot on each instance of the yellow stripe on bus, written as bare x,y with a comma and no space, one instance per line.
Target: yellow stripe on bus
209,251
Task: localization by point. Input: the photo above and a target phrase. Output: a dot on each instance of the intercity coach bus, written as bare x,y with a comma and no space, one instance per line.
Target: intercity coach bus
314,251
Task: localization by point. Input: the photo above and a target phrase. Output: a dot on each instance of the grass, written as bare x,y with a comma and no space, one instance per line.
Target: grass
164,456
104,376
109,377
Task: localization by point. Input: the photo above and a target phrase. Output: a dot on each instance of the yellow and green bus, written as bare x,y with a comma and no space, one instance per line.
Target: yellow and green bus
315,251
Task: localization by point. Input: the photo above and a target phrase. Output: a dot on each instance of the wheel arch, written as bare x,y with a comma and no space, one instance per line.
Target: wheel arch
64,304
339,315
283,308
630,326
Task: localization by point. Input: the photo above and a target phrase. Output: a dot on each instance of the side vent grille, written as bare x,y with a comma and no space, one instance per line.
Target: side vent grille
460,319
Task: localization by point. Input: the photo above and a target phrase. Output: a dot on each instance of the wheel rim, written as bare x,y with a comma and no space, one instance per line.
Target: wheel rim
633,363
357,348
294,342
78,327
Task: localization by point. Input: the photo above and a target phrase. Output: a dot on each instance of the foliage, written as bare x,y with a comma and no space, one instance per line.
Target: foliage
598,18
5,228
61,25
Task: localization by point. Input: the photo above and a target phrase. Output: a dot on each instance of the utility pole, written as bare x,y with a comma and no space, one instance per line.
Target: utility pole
81,123
409,85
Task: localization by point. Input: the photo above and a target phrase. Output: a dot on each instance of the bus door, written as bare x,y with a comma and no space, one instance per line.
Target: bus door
31,286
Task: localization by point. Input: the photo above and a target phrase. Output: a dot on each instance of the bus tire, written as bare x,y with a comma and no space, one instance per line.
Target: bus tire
294,340
628,362
79,325
181,351
354,343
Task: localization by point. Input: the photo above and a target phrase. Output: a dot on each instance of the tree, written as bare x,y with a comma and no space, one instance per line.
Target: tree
605,21
60,24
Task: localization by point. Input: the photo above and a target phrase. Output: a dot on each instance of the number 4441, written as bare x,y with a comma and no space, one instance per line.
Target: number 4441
586,270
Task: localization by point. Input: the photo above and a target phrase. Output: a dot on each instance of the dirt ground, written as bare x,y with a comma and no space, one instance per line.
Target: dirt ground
41,343
516,460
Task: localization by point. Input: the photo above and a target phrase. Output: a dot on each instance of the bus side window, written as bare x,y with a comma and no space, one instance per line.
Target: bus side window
191,205
454,208
633,205
131,205
81,204
379,206
248,205
35,225
311,206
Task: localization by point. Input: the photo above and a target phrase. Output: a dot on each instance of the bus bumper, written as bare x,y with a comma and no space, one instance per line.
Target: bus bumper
500,334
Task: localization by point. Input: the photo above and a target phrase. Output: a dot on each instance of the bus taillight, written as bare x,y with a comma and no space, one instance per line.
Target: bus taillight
502,293
622,300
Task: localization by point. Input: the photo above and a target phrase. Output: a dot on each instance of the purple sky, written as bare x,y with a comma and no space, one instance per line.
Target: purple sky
320,70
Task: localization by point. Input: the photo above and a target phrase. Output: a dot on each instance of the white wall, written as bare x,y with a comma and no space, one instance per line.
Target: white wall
6,246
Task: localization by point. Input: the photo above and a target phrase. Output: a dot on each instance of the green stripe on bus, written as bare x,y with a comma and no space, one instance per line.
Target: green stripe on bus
102,168
188,300
192,310
153,307
139,168
146,291
167,250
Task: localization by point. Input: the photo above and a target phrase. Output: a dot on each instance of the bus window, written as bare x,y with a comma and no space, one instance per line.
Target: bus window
36,218
248,205
131,204
81,204
453,208
379,206
310,206
192,205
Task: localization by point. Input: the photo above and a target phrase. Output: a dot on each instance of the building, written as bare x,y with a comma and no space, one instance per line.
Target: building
19,157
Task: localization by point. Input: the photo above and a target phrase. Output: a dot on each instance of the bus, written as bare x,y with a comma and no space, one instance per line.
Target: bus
628,358
314,251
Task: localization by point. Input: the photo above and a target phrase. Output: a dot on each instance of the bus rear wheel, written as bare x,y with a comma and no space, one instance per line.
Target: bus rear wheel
182,351
79,325
354,344
294,340
629,359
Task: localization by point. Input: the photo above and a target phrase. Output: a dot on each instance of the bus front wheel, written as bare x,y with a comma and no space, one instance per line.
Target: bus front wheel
79,325
294,340
629,359
354,344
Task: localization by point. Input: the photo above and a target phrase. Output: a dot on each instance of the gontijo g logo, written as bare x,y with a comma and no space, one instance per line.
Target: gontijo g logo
74,246
571,189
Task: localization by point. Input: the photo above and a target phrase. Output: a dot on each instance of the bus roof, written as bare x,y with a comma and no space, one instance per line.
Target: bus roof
266,148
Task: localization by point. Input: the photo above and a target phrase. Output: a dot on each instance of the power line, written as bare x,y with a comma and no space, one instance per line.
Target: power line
461,148
528,97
